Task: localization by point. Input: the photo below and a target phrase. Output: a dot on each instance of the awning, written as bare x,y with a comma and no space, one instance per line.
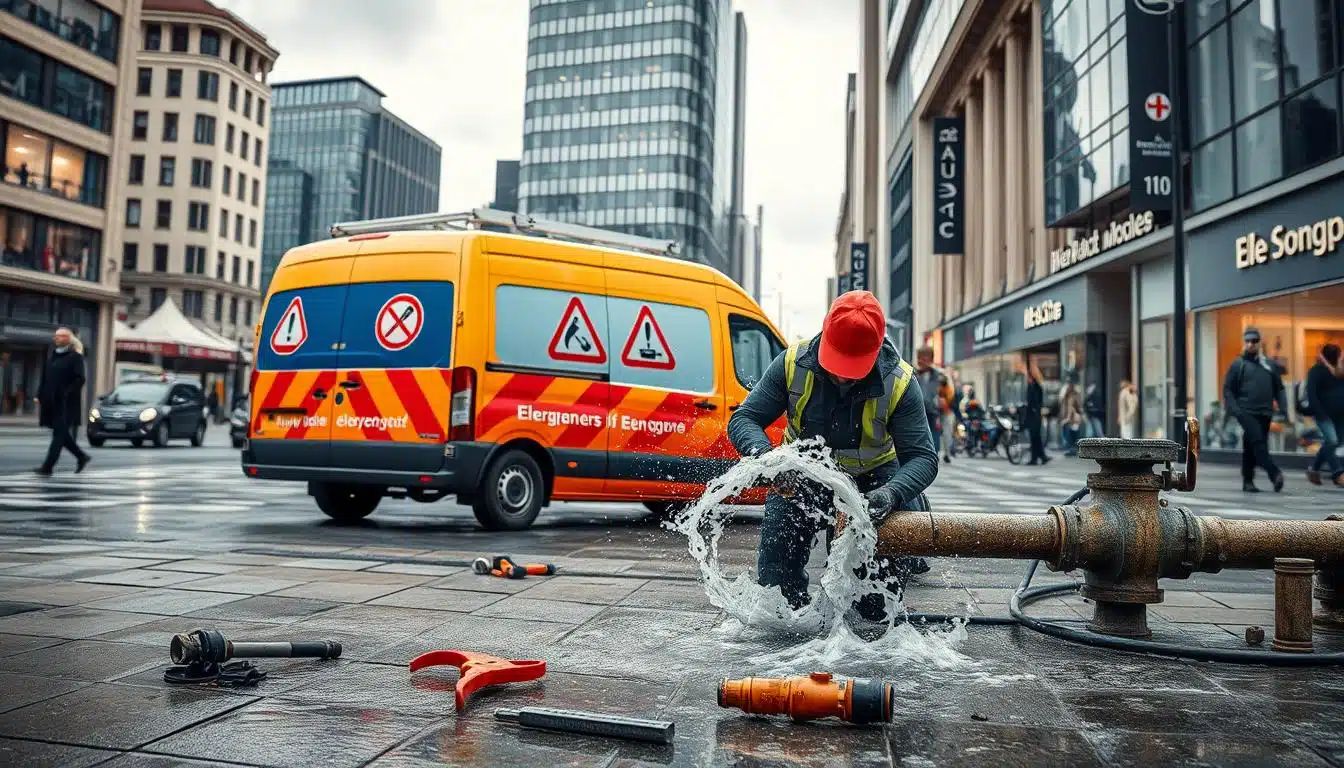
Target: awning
169,333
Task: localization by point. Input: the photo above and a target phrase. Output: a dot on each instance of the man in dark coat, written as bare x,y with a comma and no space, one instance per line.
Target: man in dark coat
60,400
1250,390
849,386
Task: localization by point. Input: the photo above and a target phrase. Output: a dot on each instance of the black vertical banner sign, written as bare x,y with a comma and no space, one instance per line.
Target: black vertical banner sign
1150,93
949,206
858,267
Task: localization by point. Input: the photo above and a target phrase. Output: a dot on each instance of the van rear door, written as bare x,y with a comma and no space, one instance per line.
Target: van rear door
298,353
394,381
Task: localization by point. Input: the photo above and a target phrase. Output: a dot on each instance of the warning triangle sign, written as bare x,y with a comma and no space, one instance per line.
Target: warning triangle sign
576,339
291,331
647,347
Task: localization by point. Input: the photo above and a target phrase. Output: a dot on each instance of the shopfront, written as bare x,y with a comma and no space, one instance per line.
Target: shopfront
1278,267
27,320
1076,331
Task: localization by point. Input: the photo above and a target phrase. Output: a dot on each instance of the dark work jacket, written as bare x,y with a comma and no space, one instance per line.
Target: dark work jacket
1250,390
838,419
60,394
1035,402
1325,393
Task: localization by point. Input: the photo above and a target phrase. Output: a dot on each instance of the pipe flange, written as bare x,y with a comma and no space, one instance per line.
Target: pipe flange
1110,481
1108,449
1069,519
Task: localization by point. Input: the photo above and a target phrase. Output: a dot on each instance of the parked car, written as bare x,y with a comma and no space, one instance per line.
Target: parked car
238,422
157,409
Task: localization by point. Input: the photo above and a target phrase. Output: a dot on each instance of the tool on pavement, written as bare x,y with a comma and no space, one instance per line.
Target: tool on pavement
477,670
590,723
810,697
504,567
201,655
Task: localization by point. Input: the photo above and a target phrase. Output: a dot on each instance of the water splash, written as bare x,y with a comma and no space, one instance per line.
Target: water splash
762,616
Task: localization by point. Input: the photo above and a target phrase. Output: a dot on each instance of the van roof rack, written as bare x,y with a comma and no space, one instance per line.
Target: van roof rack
519,223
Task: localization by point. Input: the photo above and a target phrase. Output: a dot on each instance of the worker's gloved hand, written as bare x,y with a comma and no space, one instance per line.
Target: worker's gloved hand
880,503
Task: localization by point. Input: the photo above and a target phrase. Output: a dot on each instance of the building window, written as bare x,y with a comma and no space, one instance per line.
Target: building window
251,237
174,89
198,216
228,180
156,298
132,212
43,244
242,145
130,257
207,86
136,171
195,261
193,303
219,307
209,42
153,37
201,171
233,96
233,310
233,51
228,138
220,258
261,112
247,316
204,132
237,269
180,34
160,257
256,153
251,272
167,171
140,125
256,192
223,229
144,81
29,76
36,161
242,187
247,104
164,216
170,126
238,227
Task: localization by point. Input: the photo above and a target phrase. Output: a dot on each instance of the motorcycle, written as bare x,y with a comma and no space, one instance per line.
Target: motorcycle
986,431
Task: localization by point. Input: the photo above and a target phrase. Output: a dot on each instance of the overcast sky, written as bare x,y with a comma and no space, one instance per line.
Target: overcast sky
455,69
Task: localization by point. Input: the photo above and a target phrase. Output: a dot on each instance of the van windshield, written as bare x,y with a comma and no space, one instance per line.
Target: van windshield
138,393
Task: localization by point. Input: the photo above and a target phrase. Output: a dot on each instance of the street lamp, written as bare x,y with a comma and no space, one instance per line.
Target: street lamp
1179,348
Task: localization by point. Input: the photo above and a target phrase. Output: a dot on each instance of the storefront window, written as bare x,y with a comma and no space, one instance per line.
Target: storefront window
36,161
47,245
1294,328
1153,336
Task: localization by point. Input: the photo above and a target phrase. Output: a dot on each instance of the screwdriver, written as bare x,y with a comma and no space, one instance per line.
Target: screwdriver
589,723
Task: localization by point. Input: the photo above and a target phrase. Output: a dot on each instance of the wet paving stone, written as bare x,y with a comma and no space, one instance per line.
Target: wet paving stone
1168,713
924,741
585,589
88,660
166,602
1126,672
69,593
12,644
338,592
669,595
297,735
382,686
417,569
22,690
72,623
518,607
77,567
198,566
509,638
143,577
238,583
1280,684
11,608
455,600
159,633
1146,749
144,760
271,610
282,675
37,754
114,716
330,564
304,575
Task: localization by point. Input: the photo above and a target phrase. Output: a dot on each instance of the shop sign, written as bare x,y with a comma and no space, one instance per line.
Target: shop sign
858,267
1150,107
949,208
985,335
1045,313
1321,238
11,332
1119,232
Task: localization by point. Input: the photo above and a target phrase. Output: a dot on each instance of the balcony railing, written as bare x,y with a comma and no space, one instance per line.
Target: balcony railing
48,185
70,28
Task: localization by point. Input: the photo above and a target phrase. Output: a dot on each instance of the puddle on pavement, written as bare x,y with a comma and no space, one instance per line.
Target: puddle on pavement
765,634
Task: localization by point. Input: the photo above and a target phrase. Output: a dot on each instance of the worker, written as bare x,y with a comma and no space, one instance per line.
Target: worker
849,386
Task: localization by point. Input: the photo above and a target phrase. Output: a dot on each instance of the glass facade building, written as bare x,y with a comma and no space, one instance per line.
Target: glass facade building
628,119
338,155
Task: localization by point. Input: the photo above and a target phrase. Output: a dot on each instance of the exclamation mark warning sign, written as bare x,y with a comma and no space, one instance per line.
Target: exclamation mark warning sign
646,347
292,329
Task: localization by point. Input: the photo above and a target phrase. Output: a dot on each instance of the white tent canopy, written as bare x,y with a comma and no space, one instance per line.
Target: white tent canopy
168,332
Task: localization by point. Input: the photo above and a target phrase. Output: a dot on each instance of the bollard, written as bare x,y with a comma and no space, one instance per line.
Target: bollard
1292,605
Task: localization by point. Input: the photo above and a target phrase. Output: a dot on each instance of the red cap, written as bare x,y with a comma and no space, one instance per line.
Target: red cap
852,335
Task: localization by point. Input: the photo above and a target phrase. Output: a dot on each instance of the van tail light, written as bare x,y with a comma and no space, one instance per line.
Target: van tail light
462,412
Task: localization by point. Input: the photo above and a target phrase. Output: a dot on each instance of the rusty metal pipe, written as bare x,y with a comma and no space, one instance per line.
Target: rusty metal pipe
1292,605
1257,543
971,534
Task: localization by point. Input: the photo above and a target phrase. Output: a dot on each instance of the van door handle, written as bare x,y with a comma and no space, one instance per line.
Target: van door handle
319,394
706,405
734,406
350,384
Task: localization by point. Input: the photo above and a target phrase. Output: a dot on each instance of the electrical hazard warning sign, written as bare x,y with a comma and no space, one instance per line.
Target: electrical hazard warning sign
399,322
291,331
647,347
576,340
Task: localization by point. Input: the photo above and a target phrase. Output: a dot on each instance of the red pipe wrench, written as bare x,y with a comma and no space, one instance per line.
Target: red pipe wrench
477,670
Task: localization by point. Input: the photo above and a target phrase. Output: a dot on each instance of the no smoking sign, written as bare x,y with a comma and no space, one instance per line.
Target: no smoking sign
399,322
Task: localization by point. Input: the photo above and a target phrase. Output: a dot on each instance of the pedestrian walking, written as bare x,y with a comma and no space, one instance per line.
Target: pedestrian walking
932,384
1250,390
1325,398
1094,408
1128,410
61,401
946,396
1034,413
1071,418
212,406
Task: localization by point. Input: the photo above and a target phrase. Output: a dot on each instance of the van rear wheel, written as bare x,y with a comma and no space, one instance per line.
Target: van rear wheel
346,503
512,494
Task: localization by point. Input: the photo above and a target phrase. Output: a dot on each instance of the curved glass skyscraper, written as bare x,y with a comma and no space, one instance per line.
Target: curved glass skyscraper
629,119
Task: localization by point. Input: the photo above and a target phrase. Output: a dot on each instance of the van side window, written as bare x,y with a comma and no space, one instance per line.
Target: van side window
660,345
527,320
754,347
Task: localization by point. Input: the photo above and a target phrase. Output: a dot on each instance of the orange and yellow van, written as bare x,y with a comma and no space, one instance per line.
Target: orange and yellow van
507,370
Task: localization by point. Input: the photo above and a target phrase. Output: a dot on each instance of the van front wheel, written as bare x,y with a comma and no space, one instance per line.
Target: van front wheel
512,494
346,503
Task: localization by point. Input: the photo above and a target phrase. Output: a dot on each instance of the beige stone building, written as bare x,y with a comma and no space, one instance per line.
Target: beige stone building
195,169
64,68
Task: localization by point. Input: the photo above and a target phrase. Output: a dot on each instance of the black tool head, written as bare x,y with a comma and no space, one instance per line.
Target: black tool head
199,645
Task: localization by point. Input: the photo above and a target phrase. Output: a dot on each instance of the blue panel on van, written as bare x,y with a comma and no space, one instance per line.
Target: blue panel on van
321,308
404,324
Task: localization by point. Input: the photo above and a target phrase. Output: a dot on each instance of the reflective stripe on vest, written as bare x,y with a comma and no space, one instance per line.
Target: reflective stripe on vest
875,445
